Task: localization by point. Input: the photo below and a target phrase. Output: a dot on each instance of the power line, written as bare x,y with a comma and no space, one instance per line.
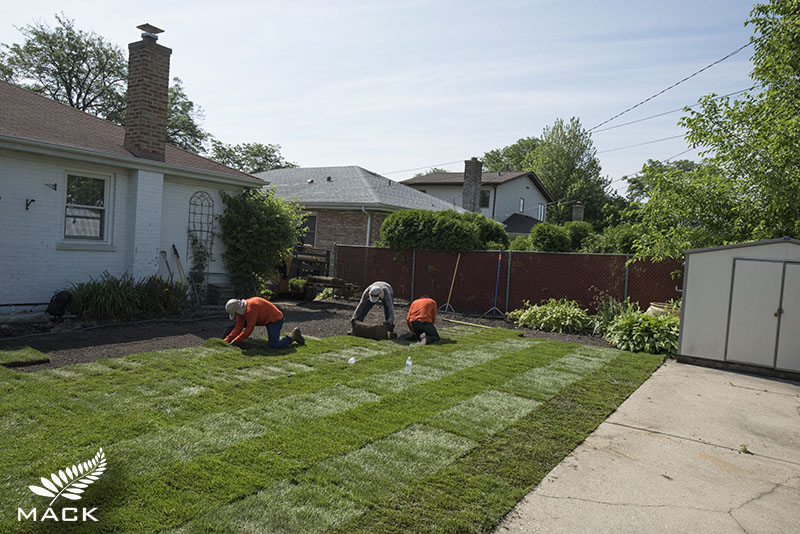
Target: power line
672,86
425,167
641,144
672,111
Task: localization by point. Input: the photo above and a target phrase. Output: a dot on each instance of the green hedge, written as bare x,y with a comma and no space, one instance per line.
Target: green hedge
442,230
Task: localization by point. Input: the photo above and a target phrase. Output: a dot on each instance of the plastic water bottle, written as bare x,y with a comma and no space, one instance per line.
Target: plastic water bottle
352,360
408,365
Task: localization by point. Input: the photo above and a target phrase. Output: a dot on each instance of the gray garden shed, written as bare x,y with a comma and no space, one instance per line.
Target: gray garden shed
741,306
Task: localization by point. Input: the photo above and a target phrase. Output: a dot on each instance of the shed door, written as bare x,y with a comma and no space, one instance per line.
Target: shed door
752,324
789,339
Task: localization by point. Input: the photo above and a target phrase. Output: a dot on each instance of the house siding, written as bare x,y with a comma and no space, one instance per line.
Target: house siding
509,193
453,194
32,268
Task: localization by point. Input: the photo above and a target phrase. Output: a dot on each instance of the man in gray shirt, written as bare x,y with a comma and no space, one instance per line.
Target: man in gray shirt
377,292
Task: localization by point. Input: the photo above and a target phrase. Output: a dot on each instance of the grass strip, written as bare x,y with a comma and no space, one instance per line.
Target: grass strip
23,356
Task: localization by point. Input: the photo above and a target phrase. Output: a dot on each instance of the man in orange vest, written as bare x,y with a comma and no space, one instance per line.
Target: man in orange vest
420,319
254,312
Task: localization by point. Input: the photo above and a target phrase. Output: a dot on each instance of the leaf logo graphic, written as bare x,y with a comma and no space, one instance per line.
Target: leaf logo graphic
72,481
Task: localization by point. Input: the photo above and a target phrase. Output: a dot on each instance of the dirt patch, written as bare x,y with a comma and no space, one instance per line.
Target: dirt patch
317,319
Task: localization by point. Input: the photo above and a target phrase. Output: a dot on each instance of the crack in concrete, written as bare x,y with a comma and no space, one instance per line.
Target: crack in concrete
607,503
700,441
793,395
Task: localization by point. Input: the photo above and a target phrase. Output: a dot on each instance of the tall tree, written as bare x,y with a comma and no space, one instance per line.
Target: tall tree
748,185
74,67
183,120
511,157
565,160
85,71
250,157
429,171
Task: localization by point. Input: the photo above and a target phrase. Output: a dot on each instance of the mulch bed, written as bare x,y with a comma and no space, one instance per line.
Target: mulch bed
317,319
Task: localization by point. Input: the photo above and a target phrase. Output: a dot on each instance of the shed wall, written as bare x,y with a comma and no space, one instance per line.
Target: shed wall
707,293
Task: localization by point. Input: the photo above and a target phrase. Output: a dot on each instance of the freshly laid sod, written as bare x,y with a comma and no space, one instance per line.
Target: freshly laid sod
23,356
222,439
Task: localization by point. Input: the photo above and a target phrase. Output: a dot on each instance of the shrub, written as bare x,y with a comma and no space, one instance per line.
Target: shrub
614,239
578,231
327,293
258,229
635,331
493,235
548,237
297,285
109,297
423,229
520,242
552,316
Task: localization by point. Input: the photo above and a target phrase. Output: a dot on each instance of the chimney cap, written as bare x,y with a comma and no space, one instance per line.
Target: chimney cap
149,30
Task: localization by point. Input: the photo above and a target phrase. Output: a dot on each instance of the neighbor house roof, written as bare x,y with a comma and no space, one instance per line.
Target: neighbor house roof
519,223
25,115
488,178
338,187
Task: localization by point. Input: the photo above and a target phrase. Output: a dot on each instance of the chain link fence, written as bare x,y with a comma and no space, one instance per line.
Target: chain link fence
493,282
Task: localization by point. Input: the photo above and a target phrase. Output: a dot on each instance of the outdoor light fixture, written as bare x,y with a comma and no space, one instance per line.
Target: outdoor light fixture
28,202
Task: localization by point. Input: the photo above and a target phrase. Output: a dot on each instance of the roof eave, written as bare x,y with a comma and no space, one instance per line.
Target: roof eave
104,158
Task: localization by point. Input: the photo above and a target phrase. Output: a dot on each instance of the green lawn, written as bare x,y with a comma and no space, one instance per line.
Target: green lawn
220,439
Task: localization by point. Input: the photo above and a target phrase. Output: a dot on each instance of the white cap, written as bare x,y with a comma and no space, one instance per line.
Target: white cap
375,294
235,306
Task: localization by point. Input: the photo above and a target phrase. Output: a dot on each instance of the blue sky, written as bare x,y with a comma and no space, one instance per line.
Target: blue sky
400,85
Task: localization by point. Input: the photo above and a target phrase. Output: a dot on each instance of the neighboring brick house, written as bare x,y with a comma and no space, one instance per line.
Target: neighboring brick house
503,195
80,195
346,205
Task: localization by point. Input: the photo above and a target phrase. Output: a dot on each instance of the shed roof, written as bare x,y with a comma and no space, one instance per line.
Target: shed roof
519,223
350,186
742,245
30,116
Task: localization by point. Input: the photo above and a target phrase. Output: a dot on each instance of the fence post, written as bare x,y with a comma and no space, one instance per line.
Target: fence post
625,297
413,270
335,256
508,279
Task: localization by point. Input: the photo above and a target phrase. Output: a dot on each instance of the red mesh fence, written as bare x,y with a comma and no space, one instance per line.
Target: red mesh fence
532,276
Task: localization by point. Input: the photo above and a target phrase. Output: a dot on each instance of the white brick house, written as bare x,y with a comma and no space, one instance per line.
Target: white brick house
75,201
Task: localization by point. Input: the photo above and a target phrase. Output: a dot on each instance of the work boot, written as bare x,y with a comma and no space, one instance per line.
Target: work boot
297,337
423,339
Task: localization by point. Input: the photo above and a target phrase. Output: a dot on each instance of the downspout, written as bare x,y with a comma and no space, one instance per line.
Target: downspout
369,224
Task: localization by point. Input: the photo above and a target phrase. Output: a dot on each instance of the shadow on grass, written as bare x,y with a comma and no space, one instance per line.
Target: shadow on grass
405,342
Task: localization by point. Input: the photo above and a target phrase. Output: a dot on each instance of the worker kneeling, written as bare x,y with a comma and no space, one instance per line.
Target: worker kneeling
420,319
254,312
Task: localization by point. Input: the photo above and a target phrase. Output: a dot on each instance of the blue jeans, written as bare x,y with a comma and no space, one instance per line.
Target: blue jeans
274,332
365,306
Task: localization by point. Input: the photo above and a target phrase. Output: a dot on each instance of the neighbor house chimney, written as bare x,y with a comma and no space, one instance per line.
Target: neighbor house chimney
471,199
148,90
577,211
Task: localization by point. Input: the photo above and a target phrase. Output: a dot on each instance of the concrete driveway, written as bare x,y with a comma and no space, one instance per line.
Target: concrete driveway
692,450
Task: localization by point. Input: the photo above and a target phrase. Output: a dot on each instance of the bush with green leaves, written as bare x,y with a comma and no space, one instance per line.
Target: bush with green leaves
520,243
563,316
435,230
258,229
547,237
123,297
636,331
614,240
578,231
493,235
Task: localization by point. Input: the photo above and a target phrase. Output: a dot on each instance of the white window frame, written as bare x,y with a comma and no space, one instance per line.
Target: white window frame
521,205
488,199
107,208
542,212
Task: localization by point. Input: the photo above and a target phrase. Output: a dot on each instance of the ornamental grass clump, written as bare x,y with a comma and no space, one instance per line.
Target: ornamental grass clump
635,331
123,297
562,316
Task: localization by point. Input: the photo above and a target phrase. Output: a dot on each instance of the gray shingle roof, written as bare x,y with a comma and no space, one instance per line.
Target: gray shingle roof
346,187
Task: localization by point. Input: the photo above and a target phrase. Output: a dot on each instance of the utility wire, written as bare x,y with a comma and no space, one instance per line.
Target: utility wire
641,144
672,111
672,86
425,167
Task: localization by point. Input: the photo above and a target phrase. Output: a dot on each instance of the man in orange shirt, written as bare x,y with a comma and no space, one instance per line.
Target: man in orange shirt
254,312
420,319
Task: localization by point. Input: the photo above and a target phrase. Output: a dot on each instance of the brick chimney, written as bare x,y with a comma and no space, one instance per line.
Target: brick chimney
471,196
577,211
148,89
